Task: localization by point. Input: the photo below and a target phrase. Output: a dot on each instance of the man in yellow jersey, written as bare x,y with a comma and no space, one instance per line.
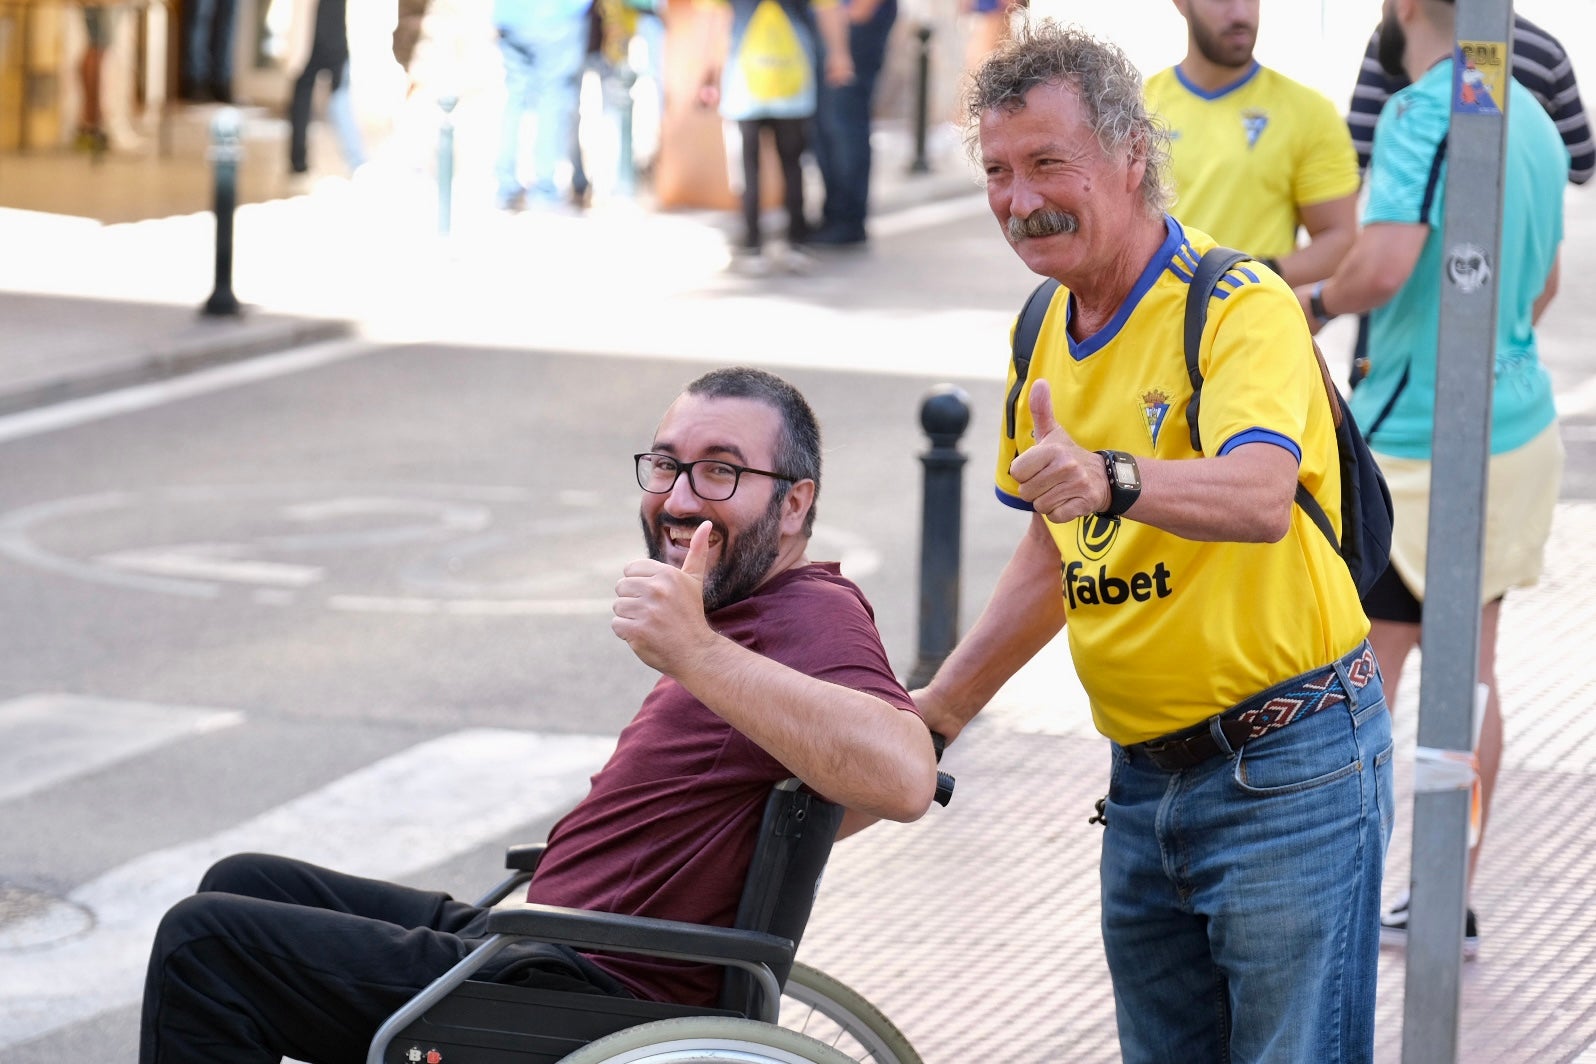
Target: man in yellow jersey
1256,155
1216,631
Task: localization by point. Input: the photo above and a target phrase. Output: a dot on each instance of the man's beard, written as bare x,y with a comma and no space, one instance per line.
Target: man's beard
1044,221
744,561
1393,43
1217,50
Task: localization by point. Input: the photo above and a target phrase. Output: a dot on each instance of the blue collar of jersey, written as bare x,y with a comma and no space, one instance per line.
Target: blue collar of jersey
1204,94
1174,244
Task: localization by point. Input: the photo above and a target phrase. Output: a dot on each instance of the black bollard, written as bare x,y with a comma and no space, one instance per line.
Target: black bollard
224,154
446,164
922,102
944,415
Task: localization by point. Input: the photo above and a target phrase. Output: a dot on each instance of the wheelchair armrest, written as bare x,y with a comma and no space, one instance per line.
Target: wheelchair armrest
614,932
524,857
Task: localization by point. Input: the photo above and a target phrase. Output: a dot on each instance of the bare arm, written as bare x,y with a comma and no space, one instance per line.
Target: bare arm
1380,262
1241,497
834,32
1332,227
850,746
1548,293
1025,612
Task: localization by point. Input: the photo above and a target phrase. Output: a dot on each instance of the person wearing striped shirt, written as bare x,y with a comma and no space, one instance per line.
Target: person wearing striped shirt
1539,63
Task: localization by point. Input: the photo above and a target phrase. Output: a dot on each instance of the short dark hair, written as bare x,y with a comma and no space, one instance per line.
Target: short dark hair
798,444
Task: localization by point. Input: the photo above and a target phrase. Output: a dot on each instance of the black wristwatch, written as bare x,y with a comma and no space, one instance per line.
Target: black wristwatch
1124,481
1316,303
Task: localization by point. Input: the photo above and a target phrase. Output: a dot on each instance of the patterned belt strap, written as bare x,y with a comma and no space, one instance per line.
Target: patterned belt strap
1303,696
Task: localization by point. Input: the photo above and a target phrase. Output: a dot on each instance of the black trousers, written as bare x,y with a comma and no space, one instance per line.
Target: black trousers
790,135
275,957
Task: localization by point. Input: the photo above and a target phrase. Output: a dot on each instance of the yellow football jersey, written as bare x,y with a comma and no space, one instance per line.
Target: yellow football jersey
1246,157
1166,631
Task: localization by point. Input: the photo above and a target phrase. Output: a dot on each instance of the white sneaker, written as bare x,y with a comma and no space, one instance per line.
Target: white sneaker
750,263
797,260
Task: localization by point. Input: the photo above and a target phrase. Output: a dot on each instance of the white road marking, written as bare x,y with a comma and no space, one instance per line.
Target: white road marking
213,561
388,820
144,396
47,739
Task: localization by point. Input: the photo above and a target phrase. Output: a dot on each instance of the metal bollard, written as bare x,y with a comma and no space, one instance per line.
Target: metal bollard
224,154
625,160
446,163
944,415
922,102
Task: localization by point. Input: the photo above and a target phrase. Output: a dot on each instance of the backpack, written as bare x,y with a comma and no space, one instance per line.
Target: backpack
1364,539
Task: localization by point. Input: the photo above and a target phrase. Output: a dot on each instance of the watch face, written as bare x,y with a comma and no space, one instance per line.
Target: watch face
1126,475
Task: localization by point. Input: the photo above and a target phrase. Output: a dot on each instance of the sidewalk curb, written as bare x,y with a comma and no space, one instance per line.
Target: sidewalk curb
208,342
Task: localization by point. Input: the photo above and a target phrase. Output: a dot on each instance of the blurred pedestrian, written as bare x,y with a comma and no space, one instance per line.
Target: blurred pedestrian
1393,273
207,59
1257,156
842,126
543,44
98,24
986,27
329,55
1215,629
762,56
1540,64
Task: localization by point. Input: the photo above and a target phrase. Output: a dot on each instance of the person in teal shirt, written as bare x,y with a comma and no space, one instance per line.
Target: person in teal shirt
1394,273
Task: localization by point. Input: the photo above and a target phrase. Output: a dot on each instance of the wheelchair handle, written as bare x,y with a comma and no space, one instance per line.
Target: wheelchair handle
944,793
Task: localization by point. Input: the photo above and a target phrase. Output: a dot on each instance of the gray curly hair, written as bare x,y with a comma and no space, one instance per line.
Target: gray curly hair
1042,52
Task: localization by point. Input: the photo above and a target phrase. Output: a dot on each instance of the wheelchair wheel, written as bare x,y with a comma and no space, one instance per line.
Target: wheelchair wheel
706,1040
829,1011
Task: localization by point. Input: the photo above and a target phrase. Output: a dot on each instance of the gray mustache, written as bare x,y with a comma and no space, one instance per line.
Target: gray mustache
1042,222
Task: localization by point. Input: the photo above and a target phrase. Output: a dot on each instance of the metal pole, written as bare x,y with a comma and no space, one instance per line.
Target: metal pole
224,154
625,164
446,163
922,101
1471,252
944,415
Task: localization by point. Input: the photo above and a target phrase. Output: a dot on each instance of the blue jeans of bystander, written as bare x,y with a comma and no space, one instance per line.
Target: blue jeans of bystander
1241,897
542,73
842,127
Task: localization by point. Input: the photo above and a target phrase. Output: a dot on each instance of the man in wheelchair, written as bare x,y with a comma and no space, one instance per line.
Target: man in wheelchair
771,667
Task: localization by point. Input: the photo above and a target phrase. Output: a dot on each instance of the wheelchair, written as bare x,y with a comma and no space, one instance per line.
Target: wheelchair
772,1009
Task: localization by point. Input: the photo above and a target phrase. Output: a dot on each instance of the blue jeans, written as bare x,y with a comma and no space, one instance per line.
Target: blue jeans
1241,897
842,125
542,73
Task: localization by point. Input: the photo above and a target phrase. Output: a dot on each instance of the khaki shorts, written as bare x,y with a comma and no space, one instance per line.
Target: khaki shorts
1521,494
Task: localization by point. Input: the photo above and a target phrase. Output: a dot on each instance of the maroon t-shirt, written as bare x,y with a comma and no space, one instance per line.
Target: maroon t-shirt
668,828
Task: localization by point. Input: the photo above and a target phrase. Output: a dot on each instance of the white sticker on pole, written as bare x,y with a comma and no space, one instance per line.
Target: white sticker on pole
1436,770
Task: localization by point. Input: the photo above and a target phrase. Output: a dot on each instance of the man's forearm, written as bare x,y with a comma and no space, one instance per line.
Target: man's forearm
1024,614
850,746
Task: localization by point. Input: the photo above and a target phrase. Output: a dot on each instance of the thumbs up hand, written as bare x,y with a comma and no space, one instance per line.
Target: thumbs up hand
1059,478
659,609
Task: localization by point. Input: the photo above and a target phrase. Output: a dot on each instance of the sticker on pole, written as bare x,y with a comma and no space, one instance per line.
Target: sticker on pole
1479,77
1468,267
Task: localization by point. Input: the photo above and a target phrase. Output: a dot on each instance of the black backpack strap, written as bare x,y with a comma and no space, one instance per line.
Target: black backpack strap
1025,334
1215,263
1316,514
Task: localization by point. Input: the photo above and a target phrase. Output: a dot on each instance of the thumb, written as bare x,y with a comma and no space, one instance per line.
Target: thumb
1041,400
697,561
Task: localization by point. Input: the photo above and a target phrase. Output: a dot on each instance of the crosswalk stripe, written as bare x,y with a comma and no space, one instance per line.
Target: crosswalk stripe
47,739
387,821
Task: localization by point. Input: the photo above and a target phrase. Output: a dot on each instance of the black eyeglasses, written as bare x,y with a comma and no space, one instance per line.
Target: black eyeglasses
711,479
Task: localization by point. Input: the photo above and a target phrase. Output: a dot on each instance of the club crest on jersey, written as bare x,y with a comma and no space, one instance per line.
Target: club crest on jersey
1154,407
1254,121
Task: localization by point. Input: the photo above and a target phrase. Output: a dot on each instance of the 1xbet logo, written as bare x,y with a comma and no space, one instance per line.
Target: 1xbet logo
1094,536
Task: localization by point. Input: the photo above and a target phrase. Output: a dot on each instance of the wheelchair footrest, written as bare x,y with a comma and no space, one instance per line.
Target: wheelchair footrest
497,1023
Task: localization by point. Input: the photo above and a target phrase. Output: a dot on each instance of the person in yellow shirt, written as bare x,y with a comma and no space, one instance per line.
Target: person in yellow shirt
1256,155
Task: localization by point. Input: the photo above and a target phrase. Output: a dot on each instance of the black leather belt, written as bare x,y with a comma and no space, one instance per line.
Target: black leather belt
1268,710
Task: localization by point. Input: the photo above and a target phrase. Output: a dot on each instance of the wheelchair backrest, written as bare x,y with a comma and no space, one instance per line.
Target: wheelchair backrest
795,838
